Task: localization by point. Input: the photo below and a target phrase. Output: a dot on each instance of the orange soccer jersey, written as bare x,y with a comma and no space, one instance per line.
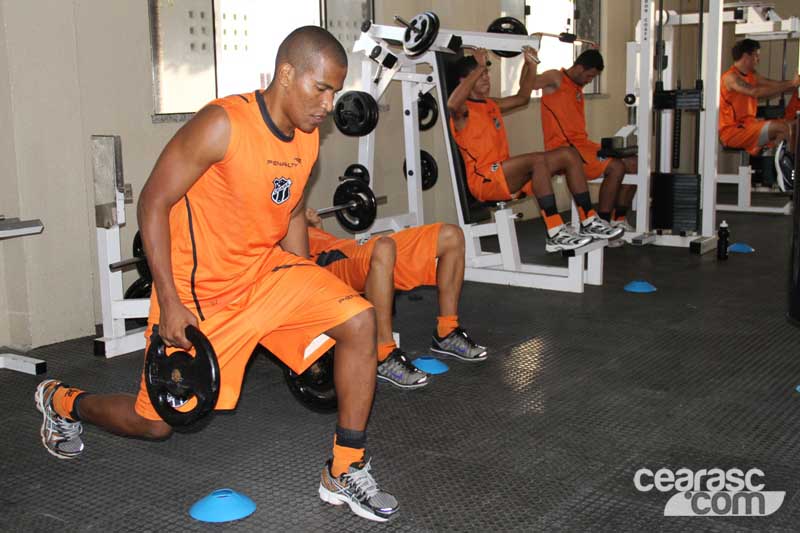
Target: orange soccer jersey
227,265
484,146
224,232
738,125
415,260
564,124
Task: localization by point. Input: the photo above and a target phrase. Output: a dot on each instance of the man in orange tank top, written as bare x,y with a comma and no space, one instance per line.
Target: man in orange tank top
477,125
564,124
223,222
432,254
740,89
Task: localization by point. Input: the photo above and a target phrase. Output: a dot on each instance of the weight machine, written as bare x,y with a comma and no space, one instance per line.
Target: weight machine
10,228
430,46
754,20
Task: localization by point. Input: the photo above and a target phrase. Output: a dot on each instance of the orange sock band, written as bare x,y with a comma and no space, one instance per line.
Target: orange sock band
551,222
384,350
446,324
586,214
64,401
343,457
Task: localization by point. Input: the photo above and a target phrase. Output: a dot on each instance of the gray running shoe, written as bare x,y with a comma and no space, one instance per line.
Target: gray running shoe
459,345
60,437
597,228
400,372
626,228
358,489
565,239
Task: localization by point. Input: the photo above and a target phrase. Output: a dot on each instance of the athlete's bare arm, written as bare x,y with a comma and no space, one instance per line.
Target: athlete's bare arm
527,81
296,239
199,144
782,85
735,83
457,103
548,81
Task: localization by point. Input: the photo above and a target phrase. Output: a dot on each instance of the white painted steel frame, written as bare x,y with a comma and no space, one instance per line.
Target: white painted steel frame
506,267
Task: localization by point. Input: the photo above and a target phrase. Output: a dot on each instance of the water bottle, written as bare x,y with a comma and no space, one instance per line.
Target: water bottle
722,241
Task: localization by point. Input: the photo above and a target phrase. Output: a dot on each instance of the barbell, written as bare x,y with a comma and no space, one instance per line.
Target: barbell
354,204
420,33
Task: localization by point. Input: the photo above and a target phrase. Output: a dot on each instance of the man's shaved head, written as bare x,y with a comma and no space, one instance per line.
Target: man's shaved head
305,45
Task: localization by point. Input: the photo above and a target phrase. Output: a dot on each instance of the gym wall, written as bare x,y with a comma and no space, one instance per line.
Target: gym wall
73,68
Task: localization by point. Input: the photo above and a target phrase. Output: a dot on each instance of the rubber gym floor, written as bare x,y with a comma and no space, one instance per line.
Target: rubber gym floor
580,391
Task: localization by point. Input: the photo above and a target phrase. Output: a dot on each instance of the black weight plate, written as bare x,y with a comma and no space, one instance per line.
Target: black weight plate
175,378
362,215
138,251
358,172
428,111
416,43
356,113
314,388
428,168
141,288
508,25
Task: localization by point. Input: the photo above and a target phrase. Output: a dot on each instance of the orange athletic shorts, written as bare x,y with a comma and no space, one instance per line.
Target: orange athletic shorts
488,184
415,263
744,136
286,310
792,108
593,166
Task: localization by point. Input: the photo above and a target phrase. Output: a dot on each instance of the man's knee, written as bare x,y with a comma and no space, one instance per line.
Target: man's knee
615,169
360,326
778,130
384,252
565,155
451,239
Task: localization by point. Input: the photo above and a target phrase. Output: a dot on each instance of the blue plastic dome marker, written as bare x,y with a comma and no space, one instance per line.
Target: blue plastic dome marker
222,505
431,365
639,286
741,248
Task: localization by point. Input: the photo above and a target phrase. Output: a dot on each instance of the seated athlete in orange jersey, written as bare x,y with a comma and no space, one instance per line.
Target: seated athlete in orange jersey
223,222
477,125
740,89
426,255
793,107
564,124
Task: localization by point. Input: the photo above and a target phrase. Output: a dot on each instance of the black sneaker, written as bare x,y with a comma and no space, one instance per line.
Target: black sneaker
358,489
400,372
459,345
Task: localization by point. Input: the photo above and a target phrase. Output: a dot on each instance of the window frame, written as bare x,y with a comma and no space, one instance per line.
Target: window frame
152,7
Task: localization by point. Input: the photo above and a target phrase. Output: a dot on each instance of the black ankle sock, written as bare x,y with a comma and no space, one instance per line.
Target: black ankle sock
605,215
75,413
351,438
547,204
620,211
583,200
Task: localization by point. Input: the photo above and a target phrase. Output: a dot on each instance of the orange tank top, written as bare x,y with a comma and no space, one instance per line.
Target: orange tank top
563,119
226,228
482,140
736,108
